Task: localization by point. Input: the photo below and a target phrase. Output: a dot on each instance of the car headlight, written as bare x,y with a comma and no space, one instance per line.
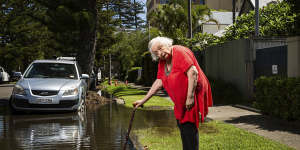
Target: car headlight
70,92
19,90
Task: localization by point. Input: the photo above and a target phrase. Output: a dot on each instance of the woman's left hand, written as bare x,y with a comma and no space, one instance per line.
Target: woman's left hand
189,103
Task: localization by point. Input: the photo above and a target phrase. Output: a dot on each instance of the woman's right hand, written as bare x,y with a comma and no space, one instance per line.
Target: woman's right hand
138,103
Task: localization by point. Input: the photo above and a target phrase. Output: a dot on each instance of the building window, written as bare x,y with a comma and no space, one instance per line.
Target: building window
164,1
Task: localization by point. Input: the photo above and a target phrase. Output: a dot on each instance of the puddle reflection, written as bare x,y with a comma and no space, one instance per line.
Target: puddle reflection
102,127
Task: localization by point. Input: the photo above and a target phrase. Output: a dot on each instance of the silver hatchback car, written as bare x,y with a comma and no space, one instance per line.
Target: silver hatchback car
50,85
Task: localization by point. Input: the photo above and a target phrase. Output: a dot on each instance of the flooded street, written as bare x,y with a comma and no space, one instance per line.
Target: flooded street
102,127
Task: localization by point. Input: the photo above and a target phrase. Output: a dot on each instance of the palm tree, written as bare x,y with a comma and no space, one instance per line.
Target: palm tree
173,17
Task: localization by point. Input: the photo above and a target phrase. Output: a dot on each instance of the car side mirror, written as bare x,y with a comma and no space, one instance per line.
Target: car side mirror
85,76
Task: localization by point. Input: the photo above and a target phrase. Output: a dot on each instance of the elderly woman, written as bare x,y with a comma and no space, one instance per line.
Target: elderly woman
181,76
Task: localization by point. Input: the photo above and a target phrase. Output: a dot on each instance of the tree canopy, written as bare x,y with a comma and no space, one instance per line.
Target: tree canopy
22,38
276,19
172,19
41,29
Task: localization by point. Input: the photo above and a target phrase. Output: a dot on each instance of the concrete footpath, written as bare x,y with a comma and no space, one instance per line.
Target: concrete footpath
278,130
284,132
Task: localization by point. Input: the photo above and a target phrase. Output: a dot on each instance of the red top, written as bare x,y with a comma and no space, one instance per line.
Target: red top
176,84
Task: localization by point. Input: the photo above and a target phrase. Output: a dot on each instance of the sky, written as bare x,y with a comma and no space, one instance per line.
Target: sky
145,9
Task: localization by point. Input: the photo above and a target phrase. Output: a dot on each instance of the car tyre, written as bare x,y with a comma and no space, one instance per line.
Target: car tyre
10,103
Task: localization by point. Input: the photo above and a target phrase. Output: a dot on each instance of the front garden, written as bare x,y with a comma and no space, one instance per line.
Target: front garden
212,135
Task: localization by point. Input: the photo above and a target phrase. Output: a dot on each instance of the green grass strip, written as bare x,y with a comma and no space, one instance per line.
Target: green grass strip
131,95
213,135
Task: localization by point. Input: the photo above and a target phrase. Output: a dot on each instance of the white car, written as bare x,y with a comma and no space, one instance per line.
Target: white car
4,76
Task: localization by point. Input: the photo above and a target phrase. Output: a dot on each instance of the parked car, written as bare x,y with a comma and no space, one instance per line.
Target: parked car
4,76
16,76
50,85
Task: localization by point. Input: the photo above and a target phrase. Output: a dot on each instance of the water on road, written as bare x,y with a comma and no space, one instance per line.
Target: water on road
102,127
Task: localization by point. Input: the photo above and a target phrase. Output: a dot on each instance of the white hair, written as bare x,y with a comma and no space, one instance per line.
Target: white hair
161,40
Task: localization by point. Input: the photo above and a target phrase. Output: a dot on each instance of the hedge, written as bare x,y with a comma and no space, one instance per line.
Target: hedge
278,97
133,74
149,70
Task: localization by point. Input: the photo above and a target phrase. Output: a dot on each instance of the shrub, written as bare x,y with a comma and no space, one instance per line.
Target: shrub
278,97
149,70
133,74
224,92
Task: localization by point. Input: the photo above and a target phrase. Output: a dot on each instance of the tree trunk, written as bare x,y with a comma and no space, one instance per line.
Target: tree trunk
88,38
135,15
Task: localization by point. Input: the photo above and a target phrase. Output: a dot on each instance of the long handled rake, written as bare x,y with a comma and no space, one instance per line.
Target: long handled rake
129,128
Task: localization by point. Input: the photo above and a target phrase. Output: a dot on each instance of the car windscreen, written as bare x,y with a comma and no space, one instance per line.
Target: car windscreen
52,70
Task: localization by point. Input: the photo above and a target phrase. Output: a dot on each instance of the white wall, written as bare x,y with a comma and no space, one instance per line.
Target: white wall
219,4
293,56
212,28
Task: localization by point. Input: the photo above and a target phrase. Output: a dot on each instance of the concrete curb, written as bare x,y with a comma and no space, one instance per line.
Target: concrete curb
247,108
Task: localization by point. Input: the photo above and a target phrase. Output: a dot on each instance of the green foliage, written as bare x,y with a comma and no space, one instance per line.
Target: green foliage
39,29
199,42
172,19
74,26
106,29
22,38
275,20
133,74
295,4
128,13
278,97
225,92
137,9
130,95
128,49
168,18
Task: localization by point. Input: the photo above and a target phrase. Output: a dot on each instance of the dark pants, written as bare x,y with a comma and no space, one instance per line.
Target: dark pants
189,136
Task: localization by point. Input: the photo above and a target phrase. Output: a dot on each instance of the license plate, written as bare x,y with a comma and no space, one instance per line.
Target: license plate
44,101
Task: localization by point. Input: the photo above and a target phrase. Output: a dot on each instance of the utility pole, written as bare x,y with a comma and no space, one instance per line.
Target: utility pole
149,29
190,34
109,69
104,74
233,15
233,11
135,15
256,18
109,78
